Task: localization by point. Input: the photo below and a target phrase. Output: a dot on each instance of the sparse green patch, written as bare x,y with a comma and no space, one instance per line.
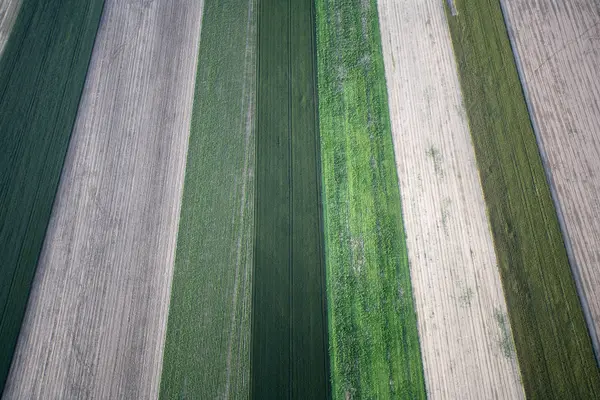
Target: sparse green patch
552,343
207,348
42,72
374,345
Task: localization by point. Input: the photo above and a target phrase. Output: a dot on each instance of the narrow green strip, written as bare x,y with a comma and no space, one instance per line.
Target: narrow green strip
289,345
207,349
42,72
374,342
553,345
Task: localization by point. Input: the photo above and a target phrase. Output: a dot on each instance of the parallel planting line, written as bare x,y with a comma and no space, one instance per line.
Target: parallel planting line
465,334
42,73
374,344
553,345
289,345
97,314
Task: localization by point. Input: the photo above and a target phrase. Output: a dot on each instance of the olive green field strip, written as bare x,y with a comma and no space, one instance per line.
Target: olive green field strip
466,339
42,73
556,44
97,315
9,10
289,337
373,336
207,348
553,346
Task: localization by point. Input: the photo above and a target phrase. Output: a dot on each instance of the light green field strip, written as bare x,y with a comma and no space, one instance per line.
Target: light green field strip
207,348
8,13
466,339
42,72
373,340
552,342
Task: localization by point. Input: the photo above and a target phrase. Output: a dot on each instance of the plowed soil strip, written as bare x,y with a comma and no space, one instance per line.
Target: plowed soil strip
465,334
374,344
8,13
97,315
42,74
552,342
207,349
558,48
289,343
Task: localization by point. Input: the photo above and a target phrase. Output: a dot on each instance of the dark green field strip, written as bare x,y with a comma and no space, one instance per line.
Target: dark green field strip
289,351
42,72
552,342
207,349
373,338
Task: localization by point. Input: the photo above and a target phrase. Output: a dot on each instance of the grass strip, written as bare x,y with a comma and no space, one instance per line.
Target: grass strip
552,342
374,344
289,345
207,348
42,73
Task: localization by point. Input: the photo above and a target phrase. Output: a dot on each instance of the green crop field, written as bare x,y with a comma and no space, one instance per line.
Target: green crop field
373,339
289,341
42,72
553,345
207,349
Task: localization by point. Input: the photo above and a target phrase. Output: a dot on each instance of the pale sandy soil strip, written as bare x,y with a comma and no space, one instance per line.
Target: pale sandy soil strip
557,44
96,317
465,333
9,9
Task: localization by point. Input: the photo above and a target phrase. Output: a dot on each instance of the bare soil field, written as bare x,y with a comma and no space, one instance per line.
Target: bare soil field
464,330
557,49
9,9
96,318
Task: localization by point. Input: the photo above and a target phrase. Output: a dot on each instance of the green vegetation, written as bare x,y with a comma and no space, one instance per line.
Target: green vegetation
42,72
373,339
553,345
207,349
289,342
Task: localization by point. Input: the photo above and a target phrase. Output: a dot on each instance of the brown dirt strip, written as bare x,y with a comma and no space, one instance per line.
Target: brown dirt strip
465,334
98,307
557,49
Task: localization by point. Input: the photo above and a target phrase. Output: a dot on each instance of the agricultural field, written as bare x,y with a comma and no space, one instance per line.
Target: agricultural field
552,343
465,335
39,96
373,339
289,330
207,348
561,76
9,10
96,318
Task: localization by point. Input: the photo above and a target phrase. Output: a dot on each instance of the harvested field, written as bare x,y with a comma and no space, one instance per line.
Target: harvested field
96,318
557,44
373,337
207,348
465,335
8,13
39,96
289,338
551,339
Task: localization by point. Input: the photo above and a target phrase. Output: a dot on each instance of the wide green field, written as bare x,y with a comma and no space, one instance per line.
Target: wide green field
373,339
553,345
42,72
207,349
289,339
